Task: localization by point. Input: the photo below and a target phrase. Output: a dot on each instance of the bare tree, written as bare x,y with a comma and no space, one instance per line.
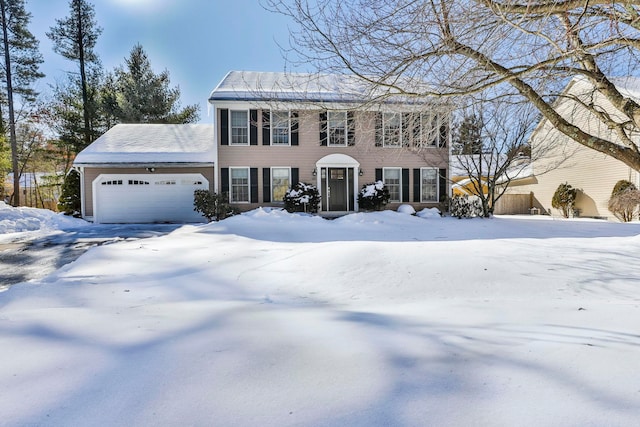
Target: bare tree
503,153
465,47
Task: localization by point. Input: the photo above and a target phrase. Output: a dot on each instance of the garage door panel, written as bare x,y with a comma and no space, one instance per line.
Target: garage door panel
145,198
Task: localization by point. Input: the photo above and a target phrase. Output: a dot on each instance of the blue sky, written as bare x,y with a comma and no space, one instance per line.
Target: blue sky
198,41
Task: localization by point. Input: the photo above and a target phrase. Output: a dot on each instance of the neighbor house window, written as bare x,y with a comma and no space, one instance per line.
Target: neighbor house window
392,180
239,127
280,127
429,185
280,183
337,128
392,129
239,178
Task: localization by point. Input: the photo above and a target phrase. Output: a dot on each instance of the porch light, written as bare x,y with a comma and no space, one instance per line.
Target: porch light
315,172
152,170
360,172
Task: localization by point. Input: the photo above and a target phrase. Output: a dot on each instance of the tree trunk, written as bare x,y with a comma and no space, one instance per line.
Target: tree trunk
83,77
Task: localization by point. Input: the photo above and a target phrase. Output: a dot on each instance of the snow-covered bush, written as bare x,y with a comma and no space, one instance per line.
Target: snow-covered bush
465,206
624,200
429,213
374,196
564,198
302,198
211,205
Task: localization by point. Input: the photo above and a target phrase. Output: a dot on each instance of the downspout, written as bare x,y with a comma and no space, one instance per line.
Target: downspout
216,179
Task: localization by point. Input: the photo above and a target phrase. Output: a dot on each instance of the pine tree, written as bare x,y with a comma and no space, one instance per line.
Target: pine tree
468,138
19,71
75,37
69,202
136,94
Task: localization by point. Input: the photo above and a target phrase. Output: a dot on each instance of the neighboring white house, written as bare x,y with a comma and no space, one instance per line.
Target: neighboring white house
557,159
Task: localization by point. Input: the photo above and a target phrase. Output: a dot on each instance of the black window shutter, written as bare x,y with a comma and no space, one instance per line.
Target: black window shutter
253,177
444,132
405,185
351,129
416,185
294,128
323,128
378,174
442,185
295,176
407,129
224,126
266,129
378,124
266,185
224,180
253,127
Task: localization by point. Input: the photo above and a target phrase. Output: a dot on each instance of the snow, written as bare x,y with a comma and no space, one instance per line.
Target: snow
371,319
406,209
16,220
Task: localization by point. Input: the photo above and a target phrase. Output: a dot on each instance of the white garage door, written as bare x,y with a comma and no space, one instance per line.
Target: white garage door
124,198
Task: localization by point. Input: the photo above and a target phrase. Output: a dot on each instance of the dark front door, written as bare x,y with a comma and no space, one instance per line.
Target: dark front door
338,189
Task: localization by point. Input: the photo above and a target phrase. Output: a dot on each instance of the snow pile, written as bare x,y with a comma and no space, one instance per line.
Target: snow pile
372,319
406,209
14,220
429,213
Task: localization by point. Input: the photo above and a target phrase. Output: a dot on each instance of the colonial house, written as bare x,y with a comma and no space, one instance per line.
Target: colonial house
557,159
270,131
275,129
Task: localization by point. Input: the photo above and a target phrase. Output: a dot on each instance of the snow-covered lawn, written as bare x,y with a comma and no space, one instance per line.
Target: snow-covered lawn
377,319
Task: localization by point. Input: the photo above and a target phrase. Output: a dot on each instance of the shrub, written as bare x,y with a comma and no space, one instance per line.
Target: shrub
564,198
373,196
624,200
211,205
69,201
465,206
302,198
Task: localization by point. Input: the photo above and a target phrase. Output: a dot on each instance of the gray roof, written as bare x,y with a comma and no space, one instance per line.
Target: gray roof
302,87
151,143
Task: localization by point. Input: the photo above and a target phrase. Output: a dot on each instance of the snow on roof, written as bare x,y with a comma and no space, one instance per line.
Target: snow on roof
305,87
151,143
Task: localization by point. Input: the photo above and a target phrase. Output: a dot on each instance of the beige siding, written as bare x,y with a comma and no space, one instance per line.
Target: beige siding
90,174
309,151
558,159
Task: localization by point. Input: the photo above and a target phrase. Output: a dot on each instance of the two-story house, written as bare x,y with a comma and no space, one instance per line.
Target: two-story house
271,130
275,129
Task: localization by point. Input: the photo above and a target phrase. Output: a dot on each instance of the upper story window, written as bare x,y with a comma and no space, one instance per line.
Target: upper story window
239,127
392,130
280,128
337,128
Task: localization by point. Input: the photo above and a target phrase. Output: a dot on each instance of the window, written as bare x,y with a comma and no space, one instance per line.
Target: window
392,180
428,185
280,183
337,128
239,178
280,127
166,182
114,182
137,182
239,128
392,129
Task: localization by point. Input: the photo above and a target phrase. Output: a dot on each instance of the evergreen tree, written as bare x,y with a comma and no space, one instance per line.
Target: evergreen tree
69,202
74,37
135,94
468,138
19,71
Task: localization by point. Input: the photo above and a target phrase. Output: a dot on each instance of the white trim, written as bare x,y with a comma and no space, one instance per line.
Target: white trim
437,185
248,184
338,160
236,144
271,182
399,200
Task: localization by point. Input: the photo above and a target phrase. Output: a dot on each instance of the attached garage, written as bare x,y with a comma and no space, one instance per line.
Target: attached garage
131,198
146,173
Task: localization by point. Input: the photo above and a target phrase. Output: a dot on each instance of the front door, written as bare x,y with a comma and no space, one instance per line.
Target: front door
337,189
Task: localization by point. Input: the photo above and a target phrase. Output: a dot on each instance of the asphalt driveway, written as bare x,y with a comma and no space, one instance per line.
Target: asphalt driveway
29,257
